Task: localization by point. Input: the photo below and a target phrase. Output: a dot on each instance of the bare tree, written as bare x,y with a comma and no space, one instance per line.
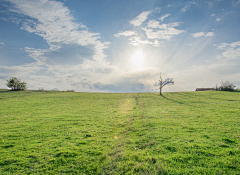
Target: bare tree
165,82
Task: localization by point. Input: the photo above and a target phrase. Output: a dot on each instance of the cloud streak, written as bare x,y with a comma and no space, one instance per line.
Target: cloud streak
199,34
187,6
126,33
137,41
165,16
236,3
140,18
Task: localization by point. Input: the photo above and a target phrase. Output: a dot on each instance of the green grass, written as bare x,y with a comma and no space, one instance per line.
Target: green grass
132,133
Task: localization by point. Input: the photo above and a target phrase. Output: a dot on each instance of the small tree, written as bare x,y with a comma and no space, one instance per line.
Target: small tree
165,82
225,86
16,84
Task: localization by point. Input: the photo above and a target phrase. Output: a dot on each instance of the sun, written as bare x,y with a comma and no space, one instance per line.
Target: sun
138,59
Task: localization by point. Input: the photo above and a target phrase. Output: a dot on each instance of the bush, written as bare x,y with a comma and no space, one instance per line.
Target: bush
225,86
55,90
16,84
70,90
40,89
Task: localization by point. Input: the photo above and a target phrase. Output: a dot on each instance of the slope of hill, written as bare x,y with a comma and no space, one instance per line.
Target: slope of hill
131,133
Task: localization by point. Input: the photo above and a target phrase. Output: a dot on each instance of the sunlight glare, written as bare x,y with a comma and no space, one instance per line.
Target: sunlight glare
137,59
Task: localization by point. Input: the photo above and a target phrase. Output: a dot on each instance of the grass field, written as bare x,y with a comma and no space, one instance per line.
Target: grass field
132,133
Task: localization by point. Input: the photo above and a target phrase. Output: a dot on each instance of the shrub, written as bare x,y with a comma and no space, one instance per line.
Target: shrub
225,86
70,90
55,90
16,84
40,89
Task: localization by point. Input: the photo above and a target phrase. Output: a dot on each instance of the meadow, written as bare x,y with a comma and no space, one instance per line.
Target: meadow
45,132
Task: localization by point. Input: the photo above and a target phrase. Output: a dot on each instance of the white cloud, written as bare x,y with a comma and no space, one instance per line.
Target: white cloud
156,24
235,44
53,22
140,18
69,42
218,19
199,34
232,54
154,30
227,46
35,53
213,14
162,18
232,51
209,34
2,43
126,33
137,41
166,32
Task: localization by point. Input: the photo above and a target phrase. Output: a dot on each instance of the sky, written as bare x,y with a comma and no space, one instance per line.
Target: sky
120,45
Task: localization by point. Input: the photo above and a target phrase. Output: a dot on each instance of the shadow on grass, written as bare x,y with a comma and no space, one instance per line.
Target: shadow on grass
9,90
5,91
233,91
173,100
183,103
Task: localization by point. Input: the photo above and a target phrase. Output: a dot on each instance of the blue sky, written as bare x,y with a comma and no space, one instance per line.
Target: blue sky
120,46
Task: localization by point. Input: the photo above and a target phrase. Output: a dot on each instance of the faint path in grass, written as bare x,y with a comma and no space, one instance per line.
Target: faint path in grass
130,148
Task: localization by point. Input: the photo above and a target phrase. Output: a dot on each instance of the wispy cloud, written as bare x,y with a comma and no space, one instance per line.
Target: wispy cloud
232,50
209,34
140,18
186,6
1,43
136,40
126,33
213,14
199,34
223,15
163,17
155,30
236,3
53,22
165,32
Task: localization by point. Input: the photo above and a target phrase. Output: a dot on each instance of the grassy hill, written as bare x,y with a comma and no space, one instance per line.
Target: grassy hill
131,133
